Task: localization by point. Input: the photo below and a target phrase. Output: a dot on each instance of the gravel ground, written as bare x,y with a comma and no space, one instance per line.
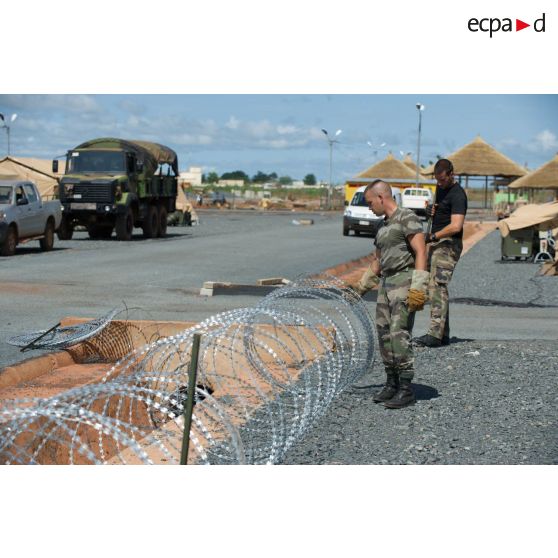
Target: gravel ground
483,401
494,407
505,281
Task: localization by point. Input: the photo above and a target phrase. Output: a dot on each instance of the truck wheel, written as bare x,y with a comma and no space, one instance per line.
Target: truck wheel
10,243
151,223
345,232
47,243
162,222
357,233
65,230
187,219
125,225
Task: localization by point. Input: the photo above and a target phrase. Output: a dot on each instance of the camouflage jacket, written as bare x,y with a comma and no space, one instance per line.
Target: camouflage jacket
396,252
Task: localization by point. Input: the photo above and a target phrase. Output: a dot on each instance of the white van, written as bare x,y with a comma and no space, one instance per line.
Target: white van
416,199
358,218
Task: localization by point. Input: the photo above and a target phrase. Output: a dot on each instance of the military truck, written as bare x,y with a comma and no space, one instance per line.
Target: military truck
115,184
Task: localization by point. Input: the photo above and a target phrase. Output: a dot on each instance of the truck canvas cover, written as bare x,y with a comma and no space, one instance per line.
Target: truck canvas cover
150,154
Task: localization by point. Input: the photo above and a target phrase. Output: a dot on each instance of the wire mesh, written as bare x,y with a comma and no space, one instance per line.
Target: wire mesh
265,375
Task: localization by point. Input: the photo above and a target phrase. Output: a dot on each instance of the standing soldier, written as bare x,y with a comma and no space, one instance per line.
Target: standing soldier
446,244
399,267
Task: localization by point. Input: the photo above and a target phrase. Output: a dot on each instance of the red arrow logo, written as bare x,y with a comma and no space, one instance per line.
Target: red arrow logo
519,25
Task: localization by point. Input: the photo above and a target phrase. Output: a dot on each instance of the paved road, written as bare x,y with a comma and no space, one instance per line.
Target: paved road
163,276
82,277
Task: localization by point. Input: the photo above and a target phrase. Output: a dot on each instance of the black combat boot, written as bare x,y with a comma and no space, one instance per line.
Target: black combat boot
428,341
446,337
403,397
389,390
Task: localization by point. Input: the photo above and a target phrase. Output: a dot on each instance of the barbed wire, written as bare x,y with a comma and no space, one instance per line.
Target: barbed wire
265,375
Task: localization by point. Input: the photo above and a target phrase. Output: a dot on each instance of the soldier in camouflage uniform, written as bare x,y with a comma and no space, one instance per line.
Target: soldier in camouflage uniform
446,245
401,261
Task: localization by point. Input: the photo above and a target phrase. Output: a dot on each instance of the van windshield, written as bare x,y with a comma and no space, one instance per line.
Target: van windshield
5,194
358,199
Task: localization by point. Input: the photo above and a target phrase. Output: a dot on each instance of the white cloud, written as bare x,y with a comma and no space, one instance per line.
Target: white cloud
260,129
545,141
73,103
286,129
232,123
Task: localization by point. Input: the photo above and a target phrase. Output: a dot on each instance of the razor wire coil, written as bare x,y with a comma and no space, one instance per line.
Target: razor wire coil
265,375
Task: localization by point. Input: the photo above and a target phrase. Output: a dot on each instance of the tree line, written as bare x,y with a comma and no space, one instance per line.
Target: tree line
259,178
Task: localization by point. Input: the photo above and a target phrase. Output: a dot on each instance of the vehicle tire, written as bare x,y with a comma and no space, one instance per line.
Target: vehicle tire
99,232
151,223
162,222
10,243
47,243
357,233
345,232
187,219
125,225
65,230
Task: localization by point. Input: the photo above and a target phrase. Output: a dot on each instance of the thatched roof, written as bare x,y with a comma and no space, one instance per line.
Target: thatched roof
479,158
543,177
407,161
390,167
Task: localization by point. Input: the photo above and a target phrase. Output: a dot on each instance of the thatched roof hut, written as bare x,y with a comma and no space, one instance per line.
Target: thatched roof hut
390,167
543,177
393,171
479,158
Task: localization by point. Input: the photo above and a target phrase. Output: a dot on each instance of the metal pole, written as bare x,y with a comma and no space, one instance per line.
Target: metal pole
8,130
192,374
32,344
329,190
418,147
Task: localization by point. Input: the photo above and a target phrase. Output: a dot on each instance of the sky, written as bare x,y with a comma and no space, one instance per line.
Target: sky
282,133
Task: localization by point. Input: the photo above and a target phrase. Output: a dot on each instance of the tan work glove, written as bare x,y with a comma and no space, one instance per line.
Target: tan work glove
416,297
367,282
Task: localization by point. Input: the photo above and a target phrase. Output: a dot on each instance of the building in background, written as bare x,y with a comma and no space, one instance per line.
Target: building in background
193,176
231,182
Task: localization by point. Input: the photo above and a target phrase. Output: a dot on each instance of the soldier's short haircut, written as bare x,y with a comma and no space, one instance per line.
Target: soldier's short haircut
443,165
380,186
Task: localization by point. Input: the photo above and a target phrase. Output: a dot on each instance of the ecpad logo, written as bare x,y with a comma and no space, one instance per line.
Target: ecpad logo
494,24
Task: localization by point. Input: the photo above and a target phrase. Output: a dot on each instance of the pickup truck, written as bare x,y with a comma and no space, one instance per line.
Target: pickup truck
416,199
24,216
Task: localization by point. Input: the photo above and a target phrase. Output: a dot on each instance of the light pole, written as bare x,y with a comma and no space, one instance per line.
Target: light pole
420,108
5,125
330,185
376,148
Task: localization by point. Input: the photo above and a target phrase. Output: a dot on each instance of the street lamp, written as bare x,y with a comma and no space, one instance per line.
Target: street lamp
420,108
376,148
330,185
5,125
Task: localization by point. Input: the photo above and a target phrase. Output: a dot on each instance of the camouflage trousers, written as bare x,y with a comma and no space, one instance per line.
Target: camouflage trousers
442,259
394,324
